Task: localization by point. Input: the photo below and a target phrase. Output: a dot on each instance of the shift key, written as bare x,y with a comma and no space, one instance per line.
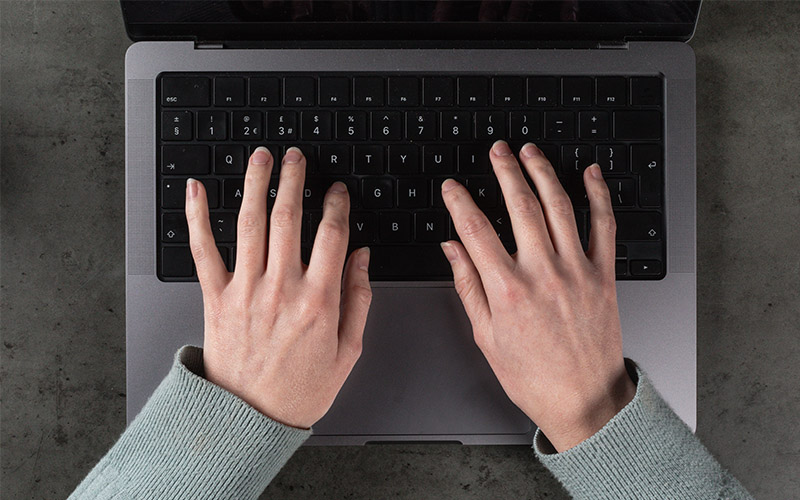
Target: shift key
639,226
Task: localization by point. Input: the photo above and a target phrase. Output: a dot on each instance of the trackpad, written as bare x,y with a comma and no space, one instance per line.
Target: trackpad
420,373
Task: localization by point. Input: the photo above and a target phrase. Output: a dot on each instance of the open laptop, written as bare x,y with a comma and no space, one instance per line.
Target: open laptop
393,97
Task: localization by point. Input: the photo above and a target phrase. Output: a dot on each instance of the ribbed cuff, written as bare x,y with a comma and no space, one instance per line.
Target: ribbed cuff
193,439
645,451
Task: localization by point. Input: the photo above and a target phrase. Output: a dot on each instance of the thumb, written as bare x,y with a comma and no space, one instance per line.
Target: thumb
356,298
468,284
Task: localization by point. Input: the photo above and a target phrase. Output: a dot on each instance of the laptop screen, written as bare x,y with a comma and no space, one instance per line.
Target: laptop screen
562,20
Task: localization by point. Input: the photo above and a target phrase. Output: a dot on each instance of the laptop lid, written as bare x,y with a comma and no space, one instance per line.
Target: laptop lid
562,22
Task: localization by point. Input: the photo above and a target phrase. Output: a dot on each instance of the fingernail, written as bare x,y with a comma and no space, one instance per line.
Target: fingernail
500,148
292,155
191,187
595,171
530,150
260,156
363,259
449,184
449,251
338,187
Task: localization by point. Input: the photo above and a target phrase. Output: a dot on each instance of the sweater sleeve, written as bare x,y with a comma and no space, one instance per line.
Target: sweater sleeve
645,451
193,440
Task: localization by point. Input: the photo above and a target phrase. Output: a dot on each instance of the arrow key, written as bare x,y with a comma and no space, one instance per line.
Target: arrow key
645,267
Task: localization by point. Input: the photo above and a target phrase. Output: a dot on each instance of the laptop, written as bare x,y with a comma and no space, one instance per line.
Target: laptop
392,97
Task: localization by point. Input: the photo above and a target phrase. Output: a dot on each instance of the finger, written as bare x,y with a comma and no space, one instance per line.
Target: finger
211,271
330,244
602,238
558,212
356,298
469,286
527,218
287,216
251,232
479,237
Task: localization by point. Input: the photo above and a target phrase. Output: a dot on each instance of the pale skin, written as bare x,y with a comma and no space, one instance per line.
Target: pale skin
284,336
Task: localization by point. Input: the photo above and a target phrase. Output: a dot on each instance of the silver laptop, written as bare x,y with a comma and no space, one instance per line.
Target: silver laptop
392,97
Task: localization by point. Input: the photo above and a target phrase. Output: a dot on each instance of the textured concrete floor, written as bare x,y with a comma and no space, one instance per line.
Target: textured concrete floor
63,328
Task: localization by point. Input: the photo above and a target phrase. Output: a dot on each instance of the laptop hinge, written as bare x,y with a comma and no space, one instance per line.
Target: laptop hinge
208,45
612,45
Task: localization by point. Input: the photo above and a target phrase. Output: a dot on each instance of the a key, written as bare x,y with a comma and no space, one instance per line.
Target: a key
456,125
282,125
633,226
525,125
376,192
490,125
265,91
229,159
559,125
611,91
185,91
223,253
412,193
647,162
316,125
575,158
473,91
368,159
223,226
437,91
363,227
473,159
176,262
645,267
309,153
403,91
174,228
483,191
232,192
430,226
176,125
501,224
184,160
212,126
313,193
437,159
368,91
173,192
637,125
334,159
646,91
421,125
543,91
394,227
229,91
334,91
593,125
388,262
403,159
622,191
246,126
508,91
613,159
576,91
387,125
299,91
351,125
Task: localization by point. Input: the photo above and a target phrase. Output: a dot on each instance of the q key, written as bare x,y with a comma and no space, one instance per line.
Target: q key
229,159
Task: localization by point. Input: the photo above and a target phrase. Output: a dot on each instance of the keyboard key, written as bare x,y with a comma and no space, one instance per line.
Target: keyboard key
363,227
576,91
437,91
229,91
490,125
184,160
646,91
613,159
456,125
473,91
483,191
368,159
351,125
176,262
223,253
368,91
646,161
559,125
543,91
310,154
299,91
437,159
282,125
183,91
394,227
621,267
376,192
334,159
633,226
611,91
232,192
575,158
645,267
403,159
412,193
637,125
334,91
593,125
403,91
316,125
501,224
174,228
430,226
176,125
313,193
212,126
550,152
525,125
223,226
622,191
408,262
173,192
473,159
387,125
508,91
421,125
265,91
246,126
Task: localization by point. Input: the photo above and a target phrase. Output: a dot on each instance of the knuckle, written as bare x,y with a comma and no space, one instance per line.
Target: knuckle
284,216
474,224
332,230
250,224
606,224
511,290
363,294
525,204
560,205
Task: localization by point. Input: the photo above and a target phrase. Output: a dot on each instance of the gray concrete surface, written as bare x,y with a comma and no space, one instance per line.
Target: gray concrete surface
62,370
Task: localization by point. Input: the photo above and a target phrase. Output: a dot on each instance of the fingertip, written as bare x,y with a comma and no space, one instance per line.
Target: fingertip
260,156
191,188
450,251
363,259
595,172
449,184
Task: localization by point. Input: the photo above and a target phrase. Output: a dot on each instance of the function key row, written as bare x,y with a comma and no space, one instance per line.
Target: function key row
408,91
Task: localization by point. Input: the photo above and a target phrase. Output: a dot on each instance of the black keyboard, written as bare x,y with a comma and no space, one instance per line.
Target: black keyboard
393,139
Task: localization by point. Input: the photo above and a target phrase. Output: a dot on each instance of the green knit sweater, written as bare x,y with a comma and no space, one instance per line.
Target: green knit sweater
195,440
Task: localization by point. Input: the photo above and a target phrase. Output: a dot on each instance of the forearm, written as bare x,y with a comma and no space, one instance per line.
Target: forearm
645,451
193,440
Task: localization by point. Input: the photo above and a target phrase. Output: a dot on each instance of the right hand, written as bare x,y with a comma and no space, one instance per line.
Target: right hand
546,318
